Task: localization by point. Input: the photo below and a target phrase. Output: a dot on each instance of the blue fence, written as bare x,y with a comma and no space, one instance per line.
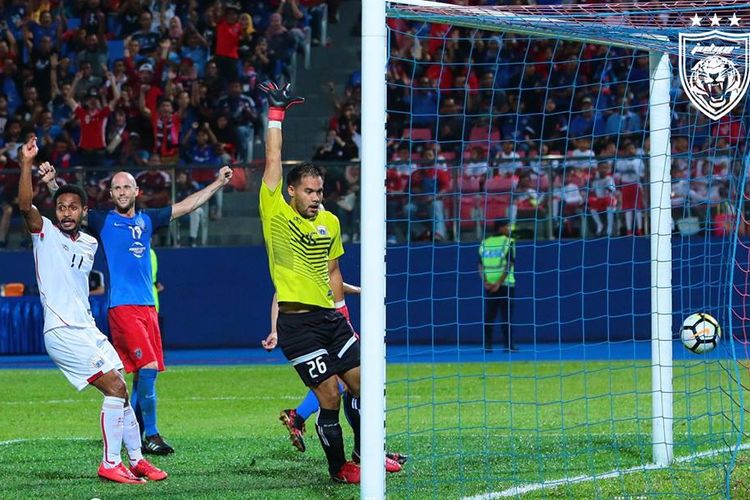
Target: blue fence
574,291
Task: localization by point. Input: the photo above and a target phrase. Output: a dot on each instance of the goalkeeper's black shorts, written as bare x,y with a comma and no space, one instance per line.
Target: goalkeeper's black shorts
319,344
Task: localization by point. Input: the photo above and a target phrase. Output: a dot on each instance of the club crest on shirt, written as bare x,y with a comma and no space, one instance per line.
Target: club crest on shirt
138,353
322,230
97,362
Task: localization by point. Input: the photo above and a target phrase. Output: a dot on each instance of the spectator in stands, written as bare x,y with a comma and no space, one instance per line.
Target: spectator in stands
85,80
569,195
228,31
215,83
93,18
629,170
47,26
41,61
333,149
624,120
31,106
424,104
244,116
46,131
339,199
166,131
507,159
91,117
582,157
428,186
201,149
586,122
129,14
602,198
225,134
117,135
198,219
146,36
280,46
293,19
476,165
262,60
553,126
95,53
194,47
449,127
154,185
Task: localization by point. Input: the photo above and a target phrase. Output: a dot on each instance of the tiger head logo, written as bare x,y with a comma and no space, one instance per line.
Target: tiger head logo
713,70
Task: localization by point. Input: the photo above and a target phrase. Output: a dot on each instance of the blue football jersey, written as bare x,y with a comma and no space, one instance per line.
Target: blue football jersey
126,242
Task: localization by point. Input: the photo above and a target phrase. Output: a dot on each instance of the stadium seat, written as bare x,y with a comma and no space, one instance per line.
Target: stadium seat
471,210
418,134
497,206
483,134
469,184
500,184
115,50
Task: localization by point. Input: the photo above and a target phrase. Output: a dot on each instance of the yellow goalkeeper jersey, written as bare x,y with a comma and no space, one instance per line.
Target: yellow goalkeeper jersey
299,249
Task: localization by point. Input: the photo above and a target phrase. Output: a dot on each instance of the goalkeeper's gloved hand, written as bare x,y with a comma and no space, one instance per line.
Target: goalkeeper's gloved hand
279,99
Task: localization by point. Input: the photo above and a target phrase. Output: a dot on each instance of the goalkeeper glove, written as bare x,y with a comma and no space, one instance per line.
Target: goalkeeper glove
279,99
343,310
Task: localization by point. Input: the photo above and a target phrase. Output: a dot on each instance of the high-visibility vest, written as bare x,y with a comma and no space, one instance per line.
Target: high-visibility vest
498,255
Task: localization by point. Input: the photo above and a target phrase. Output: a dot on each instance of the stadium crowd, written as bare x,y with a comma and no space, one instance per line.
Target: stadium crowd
550,134
144,83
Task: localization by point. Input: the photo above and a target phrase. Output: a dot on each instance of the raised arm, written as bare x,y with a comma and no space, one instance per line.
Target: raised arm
279,101
115,90
198,198
31,215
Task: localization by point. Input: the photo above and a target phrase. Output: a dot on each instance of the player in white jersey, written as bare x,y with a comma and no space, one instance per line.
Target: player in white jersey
64,256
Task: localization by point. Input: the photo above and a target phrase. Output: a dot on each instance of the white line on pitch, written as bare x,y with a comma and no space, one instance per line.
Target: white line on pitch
26,440
528,488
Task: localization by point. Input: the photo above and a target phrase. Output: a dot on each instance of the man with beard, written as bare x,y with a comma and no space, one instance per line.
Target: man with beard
64,256
125,234
303,242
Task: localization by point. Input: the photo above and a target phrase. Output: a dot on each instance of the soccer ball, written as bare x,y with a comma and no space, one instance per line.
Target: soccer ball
700,332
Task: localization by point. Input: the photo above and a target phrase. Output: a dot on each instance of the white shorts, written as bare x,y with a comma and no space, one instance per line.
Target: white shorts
83,354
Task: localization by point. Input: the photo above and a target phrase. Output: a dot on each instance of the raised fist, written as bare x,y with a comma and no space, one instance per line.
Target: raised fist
279,99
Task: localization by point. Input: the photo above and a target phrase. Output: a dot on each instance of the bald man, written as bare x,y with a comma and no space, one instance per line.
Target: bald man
125,235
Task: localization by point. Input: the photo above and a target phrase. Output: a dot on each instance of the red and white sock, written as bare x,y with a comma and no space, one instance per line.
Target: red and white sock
131,435
111,421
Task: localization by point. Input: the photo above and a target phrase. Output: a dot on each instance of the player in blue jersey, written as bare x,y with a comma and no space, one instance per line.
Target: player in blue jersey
125,235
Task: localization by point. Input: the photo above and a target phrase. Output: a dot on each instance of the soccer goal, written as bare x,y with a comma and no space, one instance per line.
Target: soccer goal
598,137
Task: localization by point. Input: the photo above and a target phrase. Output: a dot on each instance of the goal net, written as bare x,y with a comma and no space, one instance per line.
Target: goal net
562,133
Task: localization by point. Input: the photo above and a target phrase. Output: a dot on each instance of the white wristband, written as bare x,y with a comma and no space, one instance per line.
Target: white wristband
274,124
339,304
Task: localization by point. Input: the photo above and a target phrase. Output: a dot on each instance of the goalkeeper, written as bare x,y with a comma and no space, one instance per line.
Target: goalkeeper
304,244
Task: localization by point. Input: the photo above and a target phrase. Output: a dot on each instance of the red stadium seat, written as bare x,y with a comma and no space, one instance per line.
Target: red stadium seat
469,184
497,206
418,134
500,184
468,214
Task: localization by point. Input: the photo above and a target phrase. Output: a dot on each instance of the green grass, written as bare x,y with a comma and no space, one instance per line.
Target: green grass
470,429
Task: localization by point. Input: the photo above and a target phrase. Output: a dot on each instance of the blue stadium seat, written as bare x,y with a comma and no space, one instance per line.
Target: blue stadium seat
115,50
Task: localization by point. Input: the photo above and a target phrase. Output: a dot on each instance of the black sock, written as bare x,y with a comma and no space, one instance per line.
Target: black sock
332,439
351,410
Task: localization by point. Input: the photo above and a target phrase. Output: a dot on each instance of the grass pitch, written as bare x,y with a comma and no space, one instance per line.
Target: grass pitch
470,429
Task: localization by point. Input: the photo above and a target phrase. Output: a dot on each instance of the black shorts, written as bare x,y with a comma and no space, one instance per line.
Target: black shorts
319,344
